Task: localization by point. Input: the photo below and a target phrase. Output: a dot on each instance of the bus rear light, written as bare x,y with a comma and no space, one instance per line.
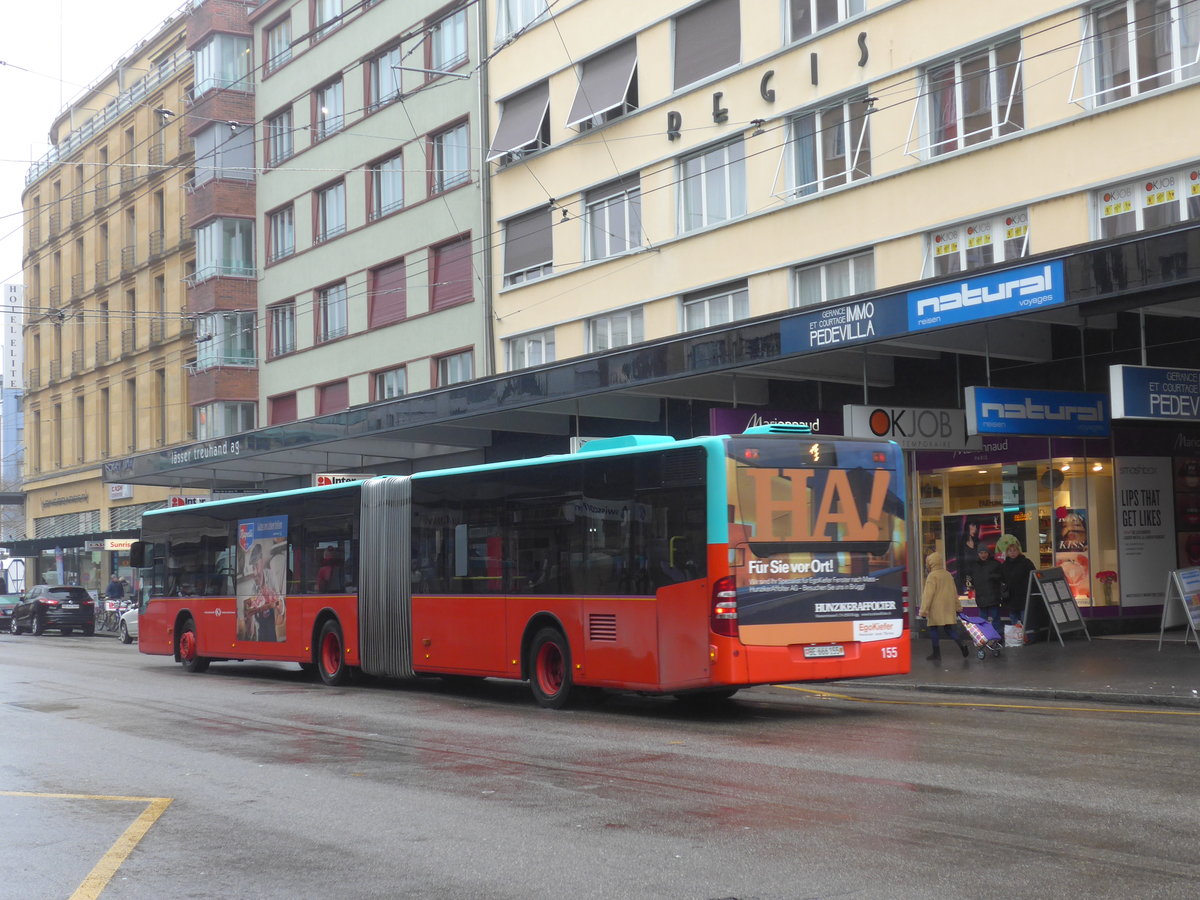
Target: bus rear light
724,619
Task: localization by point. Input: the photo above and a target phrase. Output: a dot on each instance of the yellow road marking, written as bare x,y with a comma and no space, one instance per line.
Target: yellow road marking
97,879
829,695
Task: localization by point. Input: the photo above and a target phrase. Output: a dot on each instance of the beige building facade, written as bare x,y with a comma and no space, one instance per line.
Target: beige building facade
106,338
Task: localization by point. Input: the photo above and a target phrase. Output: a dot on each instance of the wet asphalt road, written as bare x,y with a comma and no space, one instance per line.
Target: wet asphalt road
252,781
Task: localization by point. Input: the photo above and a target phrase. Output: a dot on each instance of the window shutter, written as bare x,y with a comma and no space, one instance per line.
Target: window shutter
388,300
527,241
451,273
707,39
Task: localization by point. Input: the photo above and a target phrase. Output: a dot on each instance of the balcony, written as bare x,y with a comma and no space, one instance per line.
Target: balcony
101,272
55,371
35,236
55,296
157,243
101,190
157,155
76,210
33,379
185,233
128,341
158,331
101,353
76,362
128,259
76,286
55,223
128,177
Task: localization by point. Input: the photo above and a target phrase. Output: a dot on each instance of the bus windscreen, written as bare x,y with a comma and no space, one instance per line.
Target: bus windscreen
817,540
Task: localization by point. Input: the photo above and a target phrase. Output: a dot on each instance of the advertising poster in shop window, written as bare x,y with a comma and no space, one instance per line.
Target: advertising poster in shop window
1071,550
964,533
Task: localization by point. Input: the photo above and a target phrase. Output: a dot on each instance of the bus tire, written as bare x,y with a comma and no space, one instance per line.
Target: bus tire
331,655
550,668
191,660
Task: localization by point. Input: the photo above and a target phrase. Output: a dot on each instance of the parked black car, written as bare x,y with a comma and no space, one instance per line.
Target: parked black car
7,602
53,606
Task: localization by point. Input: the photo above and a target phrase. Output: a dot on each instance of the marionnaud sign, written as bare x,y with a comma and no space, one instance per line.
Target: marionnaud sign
987,296
911,427
1057,413
1143,392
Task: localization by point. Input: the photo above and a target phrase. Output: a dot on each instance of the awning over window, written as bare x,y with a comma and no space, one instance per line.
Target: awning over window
708,39
521,120
604,82
527,242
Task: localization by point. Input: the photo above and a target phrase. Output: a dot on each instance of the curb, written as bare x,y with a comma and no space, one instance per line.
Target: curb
1113,697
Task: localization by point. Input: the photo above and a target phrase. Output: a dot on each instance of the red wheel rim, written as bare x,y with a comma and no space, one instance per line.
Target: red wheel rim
187,646
331,653
550,669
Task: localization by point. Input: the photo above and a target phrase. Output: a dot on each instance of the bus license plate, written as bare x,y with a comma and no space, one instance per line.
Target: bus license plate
70,606
828,650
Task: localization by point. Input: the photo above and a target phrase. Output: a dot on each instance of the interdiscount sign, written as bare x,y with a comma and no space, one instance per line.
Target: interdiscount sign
1142,392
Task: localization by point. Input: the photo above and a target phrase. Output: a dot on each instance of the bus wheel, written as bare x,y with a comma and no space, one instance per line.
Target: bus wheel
550,668
331,654
192,661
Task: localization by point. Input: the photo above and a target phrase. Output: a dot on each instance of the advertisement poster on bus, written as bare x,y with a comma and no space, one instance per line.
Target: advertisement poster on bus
262,576
819,542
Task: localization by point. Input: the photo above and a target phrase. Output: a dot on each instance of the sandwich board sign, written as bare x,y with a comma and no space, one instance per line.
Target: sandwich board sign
1052,588
1183,585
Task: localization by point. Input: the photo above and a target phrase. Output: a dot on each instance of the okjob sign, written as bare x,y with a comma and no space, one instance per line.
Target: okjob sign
911,427
1143,392
987,296
1054,413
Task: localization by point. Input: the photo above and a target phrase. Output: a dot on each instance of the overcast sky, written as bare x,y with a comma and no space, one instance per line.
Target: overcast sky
49,51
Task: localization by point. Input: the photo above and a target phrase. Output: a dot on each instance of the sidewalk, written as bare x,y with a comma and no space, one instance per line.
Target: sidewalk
1109,669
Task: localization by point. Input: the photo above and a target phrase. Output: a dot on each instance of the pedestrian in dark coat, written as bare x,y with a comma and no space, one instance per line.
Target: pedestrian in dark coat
985,576
1014,575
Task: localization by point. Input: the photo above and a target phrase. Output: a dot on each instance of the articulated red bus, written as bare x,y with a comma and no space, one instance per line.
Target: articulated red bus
691,567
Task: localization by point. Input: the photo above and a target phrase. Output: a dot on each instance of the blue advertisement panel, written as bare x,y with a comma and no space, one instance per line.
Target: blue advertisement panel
1016,411
830,327
1144,392
987,296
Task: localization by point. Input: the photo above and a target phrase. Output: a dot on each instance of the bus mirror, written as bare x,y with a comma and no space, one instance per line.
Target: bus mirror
137,554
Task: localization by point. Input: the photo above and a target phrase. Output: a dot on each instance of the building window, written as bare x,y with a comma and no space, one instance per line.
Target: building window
524,125
1147,203
829,147
223,61
281,229
983,242
384,77
1140,45
333,397
327,15
279,137
279,44
225,339
448,41
389,384
614,218
329,113
387,301
450,154
387,186
455,368
807,17
528,247
617,329
713,186
450,264
225,247
219,154
330,212
282,323
708,38
716,306
835,279
331,312
608,87
529,350
513,15
283,409
975,98
214,420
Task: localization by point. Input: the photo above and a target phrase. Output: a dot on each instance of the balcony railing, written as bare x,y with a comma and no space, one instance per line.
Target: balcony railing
158,331
157,243
76,286
128,258
185,233
55,371
33,379
101,271
128,341
76,210
76,362
35,235
55,296
101,190
102,352
55,223
157,154
128,177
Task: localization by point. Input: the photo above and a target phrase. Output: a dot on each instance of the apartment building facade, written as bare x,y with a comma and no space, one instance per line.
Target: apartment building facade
106,338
